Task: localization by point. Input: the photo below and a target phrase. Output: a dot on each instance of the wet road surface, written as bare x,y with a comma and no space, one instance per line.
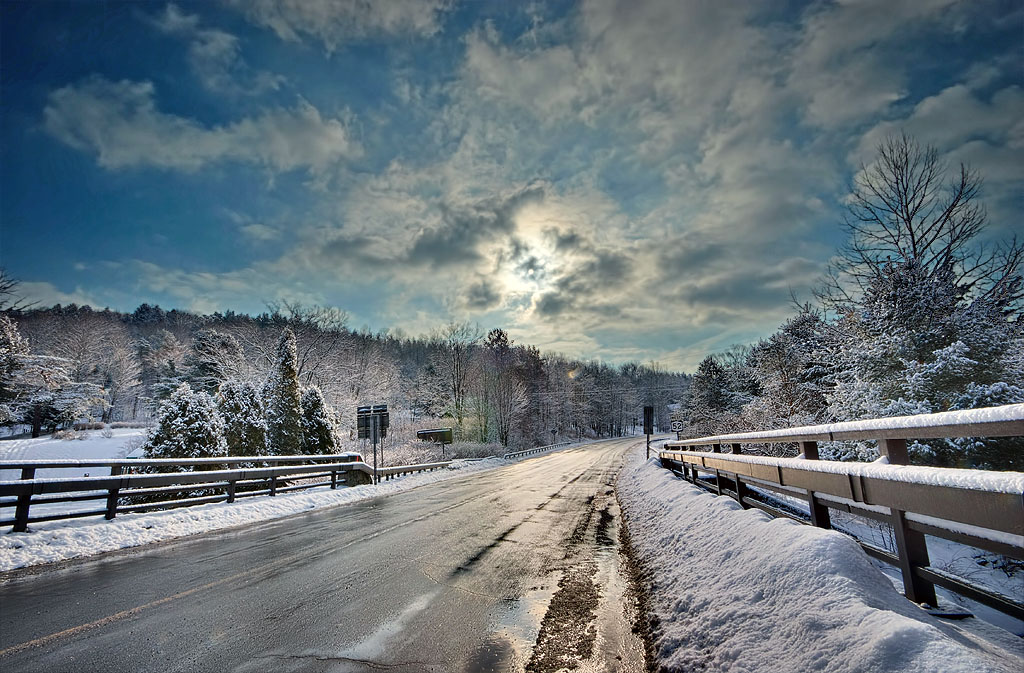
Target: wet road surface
513,569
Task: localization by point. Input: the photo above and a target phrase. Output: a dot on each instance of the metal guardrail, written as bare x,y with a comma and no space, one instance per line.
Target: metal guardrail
987,519
537,449
137,486
399,470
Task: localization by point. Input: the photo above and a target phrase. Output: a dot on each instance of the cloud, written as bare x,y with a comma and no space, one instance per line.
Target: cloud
119,122
215,55
335,22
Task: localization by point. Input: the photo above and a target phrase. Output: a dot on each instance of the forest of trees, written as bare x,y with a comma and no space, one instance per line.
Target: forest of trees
289,381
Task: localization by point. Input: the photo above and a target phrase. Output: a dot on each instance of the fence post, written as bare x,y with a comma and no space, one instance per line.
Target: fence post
741,491
819,513
895,450
913,552
115,470
24,502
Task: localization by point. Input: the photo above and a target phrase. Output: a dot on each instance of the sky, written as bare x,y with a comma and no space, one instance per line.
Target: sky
620,180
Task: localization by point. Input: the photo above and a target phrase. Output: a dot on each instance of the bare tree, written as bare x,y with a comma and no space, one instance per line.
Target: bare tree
456,342
903,208
9,298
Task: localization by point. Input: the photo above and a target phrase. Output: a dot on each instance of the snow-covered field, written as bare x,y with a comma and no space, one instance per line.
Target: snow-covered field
736,590
88,445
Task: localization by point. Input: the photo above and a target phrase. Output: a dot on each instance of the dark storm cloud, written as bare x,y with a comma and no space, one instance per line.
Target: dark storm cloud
482,296
464,227
743,286
585,286
455,241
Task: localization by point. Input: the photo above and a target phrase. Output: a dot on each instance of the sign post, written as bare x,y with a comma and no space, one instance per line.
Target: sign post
648,427
372,423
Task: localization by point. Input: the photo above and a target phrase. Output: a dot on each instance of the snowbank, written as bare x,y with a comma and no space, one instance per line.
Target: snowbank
59,540
735,590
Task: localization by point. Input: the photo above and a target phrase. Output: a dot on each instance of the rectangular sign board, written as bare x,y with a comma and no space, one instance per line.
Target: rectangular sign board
369,416
439,435
648,420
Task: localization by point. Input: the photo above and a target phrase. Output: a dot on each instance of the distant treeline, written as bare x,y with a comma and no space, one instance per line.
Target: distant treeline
486,387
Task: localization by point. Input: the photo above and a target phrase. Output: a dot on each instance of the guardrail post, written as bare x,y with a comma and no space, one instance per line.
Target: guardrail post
716,448
273,479
115,470
913,552
334,479
231,491
741,491
895,450
819,513
737,448
24,502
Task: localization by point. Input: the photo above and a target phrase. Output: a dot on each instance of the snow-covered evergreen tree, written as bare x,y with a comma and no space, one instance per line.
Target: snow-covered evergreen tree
317,424
790,374
245,419
283,400
709,400
917,344
189,426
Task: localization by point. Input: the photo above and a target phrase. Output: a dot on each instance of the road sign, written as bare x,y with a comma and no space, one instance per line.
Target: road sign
439,435
365,422
648,420
677,426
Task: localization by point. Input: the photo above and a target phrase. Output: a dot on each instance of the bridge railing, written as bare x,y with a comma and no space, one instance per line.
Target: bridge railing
536,449
140,485
400,470
979,508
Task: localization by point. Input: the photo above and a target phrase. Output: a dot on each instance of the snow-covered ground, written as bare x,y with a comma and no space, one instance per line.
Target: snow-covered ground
736,590
88,445
59,540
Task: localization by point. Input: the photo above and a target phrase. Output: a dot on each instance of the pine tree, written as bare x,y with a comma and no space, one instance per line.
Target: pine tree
317,427
189,426
245,419
283,400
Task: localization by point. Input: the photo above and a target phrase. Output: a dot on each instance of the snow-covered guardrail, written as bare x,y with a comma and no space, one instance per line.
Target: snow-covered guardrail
140,485
537,449
980,508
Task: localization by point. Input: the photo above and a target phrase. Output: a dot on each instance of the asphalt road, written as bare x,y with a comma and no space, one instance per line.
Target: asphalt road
513,569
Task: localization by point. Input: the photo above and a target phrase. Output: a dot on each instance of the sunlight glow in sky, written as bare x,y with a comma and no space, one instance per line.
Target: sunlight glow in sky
613,179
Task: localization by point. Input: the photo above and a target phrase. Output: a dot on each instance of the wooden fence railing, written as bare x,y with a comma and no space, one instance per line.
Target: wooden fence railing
138,485
973,507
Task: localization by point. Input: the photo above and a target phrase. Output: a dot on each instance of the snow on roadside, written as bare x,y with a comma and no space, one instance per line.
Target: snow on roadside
735,590
60,540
